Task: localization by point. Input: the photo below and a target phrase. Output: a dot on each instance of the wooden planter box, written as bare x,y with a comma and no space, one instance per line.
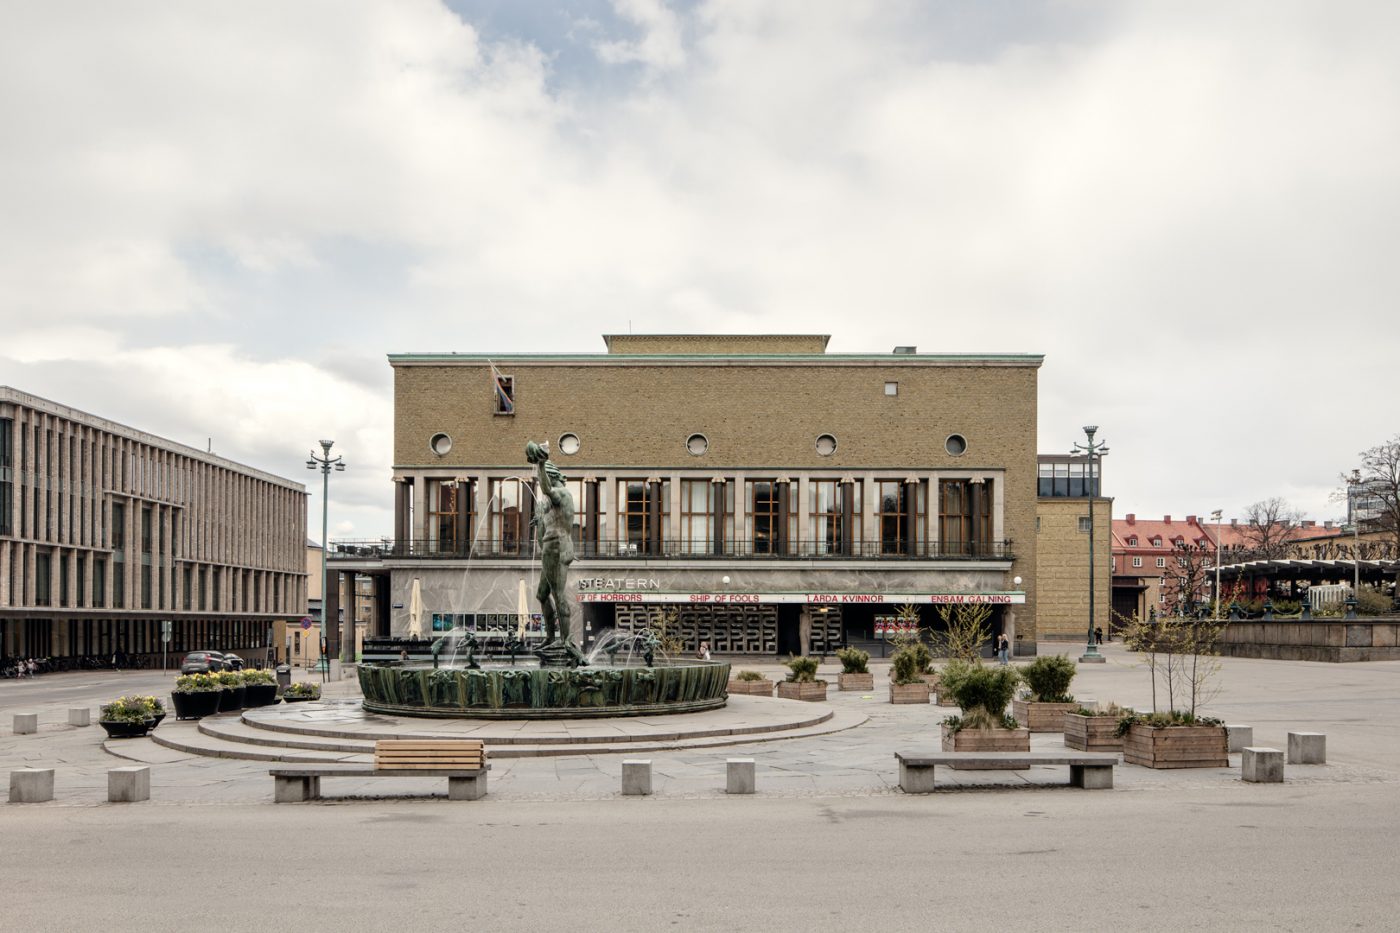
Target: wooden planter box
1176,746
863,682
932,680
987,740
1042,717
943,699
909,693
753,688
813,692
1092,733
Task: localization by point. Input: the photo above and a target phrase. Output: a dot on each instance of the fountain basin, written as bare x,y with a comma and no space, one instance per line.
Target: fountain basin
544,693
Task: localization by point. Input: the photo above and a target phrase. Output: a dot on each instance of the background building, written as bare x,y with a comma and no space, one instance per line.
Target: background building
763,494
1064,488
106,532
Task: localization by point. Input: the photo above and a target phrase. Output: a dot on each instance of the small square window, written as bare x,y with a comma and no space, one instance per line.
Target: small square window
1084,523
1161,562
1137,561
891,388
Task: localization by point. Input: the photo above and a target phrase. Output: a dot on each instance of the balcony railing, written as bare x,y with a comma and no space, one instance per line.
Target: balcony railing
683,550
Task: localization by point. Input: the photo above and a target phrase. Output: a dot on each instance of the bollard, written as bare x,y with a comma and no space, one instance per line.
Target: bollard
31,785
26,723
636,777
80,716
739,776
1240,736
1307,748
1261,765
128,785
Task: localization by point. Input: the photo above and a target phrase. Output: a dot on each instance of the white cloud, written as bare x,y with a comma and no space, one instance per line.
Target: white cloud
1188,209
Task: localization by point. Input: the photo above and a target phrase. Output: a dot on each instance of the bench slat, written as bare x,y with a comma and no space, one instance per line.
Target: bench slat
441,743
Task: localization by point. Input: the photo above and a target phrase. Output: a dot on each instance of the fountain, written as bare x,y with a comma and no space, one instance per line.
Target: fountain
626,674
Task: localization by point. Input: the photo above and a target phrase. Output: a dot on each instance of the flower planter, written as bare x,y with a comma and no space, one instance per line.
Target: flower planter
157,719
231,699
1042,717
196,705
289,698
987,740
753,688
255,695
909,693
861,682
811,692
125,730
1092,733
1176,746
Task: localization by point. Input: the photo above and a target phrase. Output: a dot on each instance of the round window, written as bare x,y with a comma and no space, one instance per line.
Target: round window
441,444
956,444
826,445
697,444
569,444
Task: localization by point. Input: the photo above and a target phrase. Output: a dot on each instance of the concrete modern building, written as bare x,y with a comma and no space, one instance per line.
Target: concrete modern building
767,496
106,532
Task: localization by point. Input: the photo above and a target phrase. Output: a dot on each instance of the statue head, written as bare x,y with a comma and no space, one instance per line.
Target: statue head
553,473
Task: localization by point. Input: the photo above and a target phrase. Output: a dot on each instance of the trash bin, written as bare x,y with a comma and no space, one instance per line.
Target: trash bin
284,676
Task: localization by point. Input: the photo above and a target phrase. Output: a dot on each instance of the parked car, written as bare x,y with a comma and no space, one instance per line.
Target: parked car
205,662
232,662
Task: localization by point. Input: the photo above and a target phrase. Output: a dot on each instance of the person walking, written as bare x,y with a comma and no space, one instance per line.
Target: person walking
1003,648
704,651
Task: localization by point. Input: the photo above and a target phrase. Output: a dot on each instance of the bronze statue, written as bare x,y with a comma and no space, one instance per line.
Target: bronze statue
554,519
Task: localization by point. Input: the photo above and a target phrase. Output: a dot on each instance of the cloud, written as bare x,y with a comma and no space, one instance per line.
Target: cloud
1188,209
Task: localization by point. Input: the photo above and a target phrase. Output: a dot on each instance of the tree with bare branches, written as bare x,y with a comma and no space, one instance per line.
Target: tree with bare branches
1378,479
1269,525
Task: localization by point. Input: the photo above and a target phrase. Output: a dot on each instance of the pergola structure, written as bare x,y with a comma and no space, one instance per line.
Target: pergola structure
1291,574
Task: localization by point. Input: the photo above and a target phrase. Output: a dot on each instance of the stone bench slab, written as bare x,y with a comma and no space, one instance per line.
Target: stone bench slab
295,784
1089,770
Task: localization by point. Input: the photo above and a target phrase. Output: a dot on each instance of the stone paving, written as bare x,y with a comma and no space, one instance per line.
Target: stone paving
1357,705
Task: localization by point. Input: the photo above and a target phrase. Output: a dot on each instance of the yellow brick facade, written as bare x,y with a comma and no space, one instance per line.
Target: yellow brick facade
1062,567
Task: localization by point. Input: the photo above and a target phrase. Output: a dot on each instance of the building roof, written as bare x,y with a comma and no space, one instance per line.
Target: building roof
1167,529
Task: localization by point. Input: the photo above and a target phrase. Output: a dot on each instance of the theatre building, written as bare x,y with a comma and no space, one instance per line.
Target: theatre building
758,492
107,532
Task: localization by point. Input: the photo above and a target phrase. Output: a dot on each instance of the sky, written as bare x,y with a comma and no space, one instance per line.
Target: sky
219,218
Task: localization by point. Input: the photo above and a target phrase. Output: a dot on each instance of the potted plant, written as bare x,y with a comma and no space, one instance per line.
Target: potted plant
982,694
802,683
855,670
259,689
232,699
1181,653
1094,730
751,683
301,691
127,717
907,684
1047,679
196,696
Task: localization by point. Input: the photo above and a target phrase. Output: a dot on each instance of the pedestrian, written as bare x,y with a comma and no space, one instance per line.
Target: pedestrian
704,651
1003,648
1098,635
33,667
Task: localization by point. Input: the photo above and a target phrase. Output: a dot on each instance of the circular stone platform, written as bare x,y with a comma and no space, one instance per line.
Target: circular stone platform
342,730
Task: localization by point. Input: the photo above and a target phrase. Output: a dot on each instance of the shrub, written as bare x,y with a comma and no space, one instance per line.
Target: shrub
854,661
303,688
197,683
131,709
1371,602
1112,709
987,688
980,719
1287,607
906,668
804,670
231,680
1048,678
1175,717
749,676
258,677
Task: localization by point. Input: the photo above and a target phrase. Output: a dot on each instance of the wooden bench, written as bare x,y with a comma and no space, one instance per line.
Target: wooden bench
1090,770
461,761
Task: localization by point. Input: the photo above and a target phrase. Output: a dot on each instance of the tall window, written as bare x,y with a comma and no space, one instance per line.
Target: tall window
830,509
145,557
449,516
99,582
891,516
7,489
634,509
965,517
509,532
697,516
764,501
43,579
118,555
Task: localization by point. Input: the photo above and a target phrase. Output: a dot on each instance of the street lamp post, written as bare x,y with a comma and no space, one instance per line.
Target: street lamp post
1216,516
326,462
1094,452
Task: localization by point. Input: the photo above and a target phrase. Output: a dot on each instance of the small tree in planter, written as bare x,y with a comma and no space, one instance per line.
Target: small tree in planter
983,693
1181,653
751,683
855,670
1047,678
907,683
802,683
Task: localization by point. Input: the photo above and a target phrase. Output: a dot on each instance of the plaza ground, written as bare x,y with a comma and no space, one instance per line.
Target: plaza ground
828,842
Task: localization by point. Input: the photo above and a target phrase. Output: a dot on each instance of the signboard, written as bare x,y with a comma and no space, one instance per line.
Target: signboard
816,599
165,632
305,624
